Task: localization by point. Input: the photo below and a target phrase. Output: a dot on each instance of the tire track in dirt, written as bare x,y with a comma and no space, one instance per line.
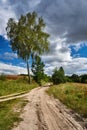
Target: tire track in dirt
46,113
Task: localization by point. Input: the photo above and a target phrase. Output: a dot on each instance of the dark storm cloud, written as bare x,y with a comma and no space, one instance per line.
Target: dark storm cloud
23,6
66,18
19,6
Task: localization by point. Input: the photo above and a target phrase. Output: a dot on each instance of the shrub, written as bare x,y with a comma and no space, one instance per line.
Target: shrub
58,76
2,77
84,78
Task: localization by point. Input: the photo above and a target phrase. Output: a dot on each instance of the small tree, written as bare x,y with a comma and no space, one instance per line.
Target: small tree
75,78
27,36
47,78
2,77
58,76
38,69
84,78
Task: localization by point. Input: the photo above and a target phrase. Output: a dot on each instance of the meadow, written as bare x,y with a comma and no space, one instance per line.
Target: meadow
10,110
74,95
8,87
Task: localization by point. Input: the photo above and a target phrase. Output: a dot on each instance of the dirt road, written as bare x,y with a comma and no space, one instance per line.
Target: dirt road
45,113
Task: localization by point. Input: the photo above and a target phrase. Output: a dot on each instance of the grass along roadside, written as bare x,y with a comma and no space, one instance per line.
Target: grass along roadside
10,87
12,95
9,113
74,95
10,110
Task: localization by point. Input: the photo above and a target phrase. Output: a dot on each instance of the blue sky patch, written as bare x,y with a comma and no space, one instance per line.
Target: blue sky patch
6,54
81,52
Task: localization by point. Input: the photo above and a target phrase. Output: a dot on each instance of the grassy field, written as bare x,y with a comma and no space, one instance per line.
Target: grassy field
10,110
15,86
74,95
9,113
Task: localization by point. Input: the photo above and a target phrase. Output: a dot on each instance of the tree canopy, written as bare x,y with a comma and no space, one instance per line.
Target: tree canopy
38,69
27,36
58,75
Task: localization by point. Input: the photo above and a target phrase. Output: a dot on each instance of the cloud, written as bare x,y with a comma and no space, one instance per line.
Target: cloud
6,12
79,46
76,65
8,56
66,18
58,52
13,9
66,22
10,69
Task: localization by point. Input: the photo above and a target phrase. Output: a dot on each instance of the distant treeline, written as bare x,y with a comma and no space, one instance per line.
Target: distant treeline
77,78
58,76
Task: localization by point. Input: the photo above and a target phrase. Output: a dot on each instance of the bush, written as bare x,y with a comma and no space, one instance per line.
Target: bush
58,76
68,79
75,78
38,70
2,77
84,78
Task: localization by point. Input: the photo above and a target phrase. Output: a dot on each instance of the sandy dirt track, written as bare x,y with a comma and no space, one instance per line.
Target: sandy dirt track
46,113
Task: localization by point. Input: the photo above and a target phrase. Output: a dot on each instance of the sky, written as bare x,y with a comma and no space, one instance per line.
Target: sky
66,22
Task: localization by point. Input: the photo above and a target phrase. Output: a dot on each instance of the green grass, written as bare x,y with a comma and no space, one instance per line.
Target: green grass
74,95
9,113
15,86
10,110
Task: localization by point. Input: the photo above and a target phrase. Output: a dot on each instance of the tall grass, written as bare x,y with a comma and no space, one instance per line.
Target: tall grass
74,95
15,86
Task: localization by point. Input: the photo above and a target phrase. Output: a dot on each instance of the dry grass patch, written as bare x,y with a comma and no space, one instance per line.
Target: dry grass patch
74,95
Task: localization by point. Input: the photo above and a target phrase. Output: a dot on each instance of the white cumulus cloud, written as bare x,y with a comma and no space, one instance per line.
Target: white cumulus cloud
66,22
11,69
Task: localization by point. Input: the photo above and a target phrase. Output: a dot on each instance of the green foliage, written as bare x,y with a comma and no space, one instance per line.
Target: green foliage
68,79
84,78
58,76
2,77
73,95
27,36
75,78
38,69
47,78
